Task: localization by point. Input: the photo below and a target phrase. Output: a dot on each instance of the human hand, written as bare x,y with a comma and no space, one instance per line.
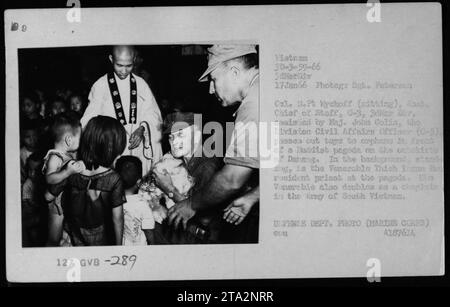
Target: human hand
236,212
136,138
81,166
181,212
159,213
75,167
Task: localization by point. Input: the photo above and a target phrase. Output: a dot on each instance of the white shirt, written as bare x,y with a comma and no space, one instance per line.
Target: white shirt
137,215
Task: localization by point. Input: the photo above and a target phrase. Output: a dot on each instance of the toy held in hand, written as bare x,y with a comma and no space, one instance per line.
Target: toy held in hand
180,179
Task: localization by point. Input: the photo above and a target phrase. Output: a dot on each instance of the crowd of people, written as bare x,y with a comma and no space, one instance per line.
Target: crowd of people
93,171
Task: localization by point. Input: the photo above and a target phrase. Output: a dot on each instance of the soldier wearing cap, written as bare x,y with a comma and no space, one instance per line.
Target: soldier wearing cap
233,76
185,138
127,97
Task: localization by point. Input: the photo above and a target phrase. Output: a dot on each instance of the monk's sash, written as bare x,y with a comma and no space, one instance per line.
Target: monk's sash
117,102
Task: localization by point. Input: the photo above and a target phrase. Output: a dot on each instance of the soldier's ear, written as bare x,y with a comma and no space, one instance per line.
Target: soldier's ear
235,71
111,59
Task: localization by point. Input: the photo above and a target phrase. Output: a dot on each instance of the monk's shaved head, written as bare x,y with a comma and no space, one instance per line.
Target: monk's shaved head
122,59
123,52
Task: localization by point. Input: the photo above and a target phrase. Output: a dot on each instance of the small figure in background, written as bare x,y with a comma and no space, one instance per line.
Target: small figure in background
64,92
40,93
77,104
138,216
29,108
58,106
33,204
30,135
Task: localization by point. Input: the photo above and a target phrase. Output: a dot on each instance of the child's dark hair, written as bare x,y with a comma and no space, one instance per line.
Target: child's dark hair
103,139
63,123
129,169
57,98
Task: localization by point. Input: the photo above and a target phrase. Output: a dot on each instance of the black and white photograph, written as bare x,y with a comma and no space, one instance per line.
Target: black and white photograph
112,145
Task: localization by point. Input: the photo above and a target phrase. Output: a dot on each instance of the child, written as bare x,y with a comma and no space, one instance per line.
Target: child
58,106
93,210
33,204
30,107
138,216
59,164
30,141
77,104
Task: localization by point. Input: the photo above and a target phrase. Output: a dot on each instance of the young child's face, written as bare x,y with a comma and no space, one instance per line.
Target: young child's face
33,168
30,139
58,107
29,107
76,104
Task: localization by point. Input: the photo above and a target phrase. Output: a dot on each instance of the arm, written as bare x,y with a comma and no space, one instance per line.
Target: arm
57,177
54,178
164,182
117,215
177,196
223,186
52,175
72,167
252,195
236,212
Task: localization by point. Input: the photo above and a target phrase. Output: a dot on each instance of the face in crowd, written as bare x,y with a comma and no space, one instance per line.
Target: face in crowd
76,104
182,142
29,107
30,138
122,59
58,106
33,168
